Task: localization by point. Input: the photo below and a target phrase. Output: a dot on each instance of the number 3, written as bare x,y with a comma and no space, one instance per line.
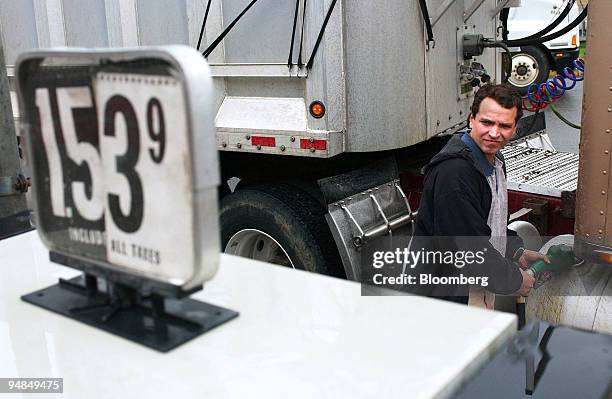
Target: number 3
125,163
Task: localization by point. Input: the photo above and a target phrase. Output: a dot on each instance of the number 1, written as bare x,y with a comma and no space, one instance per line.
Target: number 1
56,172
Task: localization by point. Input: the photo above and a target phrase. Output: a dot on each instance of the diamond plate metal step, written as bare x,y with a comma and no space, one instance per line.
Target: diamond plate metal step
539,171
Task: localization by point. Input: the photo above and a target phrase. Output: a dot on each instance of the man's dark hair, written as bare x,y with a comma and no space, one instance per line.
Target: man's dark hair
504,95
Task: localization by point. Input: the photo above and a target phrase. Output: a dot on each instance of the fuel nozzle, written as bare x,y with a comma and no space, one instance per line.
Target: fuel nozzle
561,257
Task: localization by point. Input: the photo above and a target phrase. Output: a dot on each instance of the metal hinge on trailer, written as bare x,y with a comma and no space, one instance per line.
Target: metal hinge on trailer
357,221
315,144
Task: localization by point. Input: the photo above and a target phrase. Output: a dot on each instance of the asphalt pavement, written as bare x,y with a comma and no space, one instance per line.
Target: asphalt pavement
564,137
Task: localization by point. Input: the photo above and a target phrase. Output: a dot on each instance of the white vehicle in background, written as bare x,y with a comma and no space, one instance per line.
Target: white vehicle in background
532,64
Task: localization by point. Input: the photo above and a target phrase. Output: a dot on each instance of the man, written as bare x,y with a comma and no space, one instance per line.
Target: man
464,202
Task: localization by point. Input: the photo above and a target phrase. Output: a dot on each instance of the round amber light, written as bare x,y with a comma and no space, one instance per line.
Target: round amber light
317,109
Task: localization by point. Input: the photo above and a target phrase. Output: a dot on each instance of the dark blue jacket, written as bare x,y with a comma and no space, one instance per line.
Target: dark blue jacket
454,210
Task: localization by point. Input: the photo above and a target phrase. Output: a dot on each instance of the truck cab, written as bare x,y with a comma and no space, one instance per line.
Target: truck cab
531,64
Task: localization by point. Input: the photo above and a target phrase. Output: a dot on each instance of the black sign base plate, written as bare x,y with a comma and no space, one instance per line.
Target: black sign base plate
159,323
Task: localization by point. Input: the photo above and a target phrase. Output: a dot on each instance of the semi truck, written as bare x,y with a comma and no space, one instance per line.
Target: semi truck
328,110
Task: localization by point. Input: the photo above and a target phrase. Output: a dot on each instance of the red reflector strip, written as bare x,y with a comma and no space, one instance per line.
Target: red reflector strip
263,141
305,144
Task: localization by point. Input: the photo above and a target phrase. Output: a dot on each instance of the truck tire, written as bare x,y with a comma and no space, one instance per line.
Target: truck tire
281,224
529,66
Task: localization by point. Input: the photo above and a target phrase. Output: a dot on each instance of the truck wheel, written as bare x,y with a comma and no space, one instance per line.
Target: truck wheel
279,224
529,66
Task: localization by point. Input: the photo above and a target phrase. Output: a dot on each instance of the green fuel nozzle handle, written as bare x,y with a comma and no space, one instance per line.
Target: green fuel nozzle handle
560,256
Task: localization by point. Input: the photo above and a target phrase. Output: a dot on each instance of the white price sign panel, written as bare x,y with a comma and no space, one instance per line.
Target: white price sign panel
144,171
116,178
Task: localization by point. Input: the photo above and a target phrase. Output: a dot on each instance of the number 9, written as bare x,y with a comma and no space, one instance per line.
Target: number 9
158,135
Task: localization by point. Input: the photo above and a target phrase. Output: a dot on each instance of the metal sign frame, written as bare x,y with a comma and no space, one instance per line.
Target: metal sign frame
193,74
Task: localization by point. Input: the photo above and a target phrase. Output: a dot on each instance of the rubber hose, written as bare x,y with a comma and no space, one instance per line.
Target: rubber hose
508,61
503,16
520,314
553,24
427,21
502,45
565,120
527,42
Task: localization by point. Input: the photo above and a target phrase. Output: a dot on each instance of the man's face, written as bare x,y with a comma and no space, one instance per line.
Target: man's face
492,127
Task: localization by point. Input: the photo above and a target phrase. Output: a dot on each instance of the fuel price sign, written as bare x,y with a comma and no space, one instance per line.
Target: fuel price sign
121,146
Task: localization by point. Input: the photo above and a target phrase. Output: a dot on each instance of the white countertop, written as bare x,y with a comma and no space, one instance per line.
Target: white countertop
299,335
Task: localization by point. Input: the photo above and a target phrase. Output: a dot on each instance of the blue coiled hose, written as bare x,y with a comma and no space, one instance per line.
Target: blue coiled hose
541,95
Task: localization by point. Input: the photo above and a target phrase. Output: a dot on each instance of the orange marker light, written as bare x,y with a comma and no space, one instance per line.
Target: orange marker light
604,256
574,41
317,109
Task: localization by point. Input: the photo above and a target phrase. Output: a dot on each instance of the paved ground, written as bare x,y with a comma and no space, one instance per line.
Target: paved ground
564,137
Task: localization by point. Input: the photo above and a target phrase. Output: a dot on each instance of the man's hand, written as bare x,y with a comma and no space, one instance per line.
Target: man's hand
527,284
529,257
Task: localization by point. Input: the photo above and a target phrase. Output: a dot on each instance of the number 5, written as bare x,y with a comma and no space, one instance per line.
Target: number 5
80,152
